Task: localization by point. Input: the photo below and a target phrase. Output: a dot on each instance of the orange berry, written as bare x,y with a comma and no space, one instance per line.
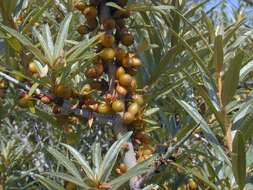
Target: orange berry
120,54
92,23
133,85
118,106
107,54
4,84
127,62
123,168
19,78
63,91
193,185
121,90
128,117
32,68
104,108
45,100
120,71
23,102
125,80
83,29
127,39
107,40
136,62
109,24
138,98
80,5
134,108
90,12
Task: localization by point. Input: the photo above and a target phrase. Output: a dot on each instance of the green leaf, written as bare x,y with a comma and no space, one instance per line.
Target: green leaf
36,16
209,26
239,160
218,53
114,5
14,43
245,70
48,38
111,157
96,157
205,128
50,184
246,126
33,88
231,78
81,160
151,111
22,39
138,169
44,45
9,6
65,162
62,35
69,178
79,49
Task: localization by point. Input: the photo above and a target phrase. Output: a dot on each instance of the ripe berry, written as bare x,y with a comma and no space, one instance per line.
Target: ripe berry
95,71
4,84
107,54
138,98
127,62
45,100
193,185
23,102
90,12
109,24
32,68
125,80
37,25
118,106
133,85
120,54
128,117
127,39
134,108
63,91
104,108
120,71
123,168
121,90
136,62
80,5
83,29
92,23
107,40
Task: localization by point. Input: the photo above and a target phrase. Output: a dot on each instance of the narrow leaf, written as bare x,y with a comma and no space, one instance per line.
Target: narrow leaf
50,184
81,160
218,53
239,160
111,157
36,16
65,162
69,178
231,78
62,35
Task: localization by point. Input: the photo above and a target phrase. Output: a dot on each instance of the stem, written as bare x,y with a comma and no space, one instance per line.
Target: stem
228,126
3,179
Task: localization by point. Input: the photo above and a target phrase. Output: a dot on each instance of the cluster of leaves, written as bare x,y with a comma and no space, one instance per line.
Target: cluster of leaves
197,64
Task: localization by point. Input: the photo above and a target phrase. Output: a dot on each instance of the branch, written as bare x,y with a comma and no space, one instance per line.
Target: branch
169,152
65,105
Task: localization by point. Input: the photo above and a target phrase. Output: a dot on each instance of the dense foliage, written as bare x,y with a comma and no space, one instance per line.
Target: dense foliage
125,94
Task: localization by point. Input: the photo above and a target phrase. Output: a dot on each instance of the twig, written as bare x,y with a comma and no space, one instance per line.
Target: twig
169,152
65,105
